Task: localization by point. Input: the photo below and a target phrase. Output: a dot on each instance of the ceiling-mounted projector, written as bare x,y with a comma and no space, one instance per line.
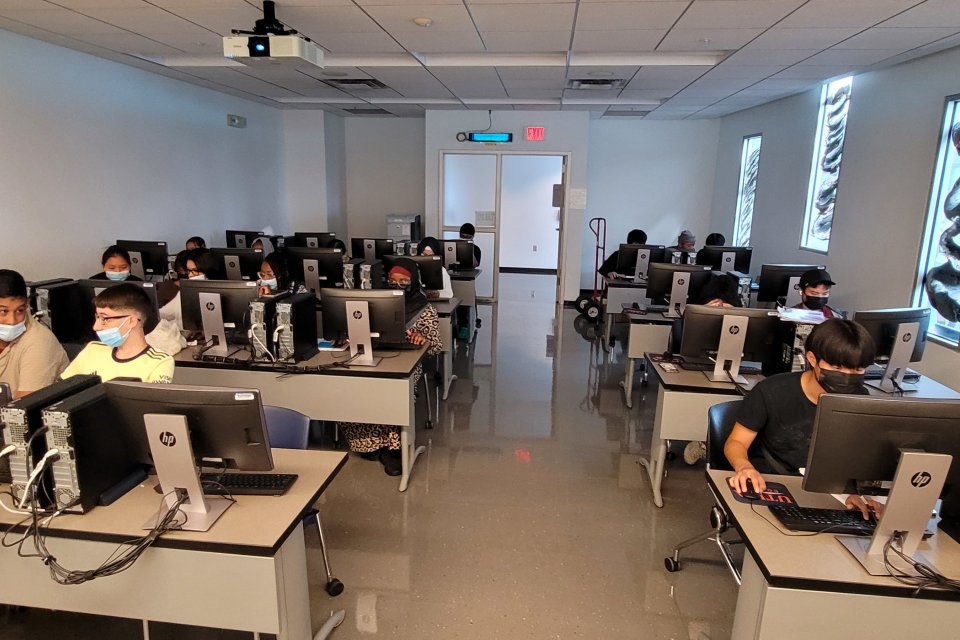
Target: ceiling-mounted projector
271,42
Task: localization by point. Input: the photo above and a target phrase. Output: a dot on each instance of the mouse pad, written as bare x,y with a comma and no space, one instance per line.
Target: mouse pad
775,493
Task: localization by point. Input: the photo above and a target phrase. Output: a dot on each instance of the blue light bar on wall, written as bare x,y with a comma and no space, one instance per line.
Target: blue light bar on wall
489,137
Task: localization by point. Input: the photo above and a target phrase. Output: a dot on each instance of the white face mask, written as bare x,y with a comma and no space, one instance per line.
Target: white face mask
10,332
201,276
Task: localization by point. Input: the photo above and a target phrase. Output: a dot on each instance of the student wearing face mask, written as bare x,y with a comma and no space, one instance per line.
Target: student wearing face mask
430,246
274,277
815,293
123,315
203,265
116,266
30,356
775,422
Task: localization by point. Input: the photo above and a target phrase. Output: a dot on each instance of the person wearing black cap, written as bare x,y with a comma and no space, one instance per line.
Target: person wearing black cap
815,292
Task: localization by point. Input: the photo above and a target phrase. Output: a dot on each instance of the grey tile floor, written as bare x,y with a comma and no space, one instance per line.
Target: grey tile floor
528,517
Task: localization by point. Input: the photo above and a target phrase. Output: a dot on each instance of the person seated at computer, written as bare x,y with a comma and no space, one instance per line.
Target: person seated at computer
196,242
203,265
686,241
30,355
340,244
720,291
382,441
116,266
715,240
467,232
123,314
815,292
274,277
775,422
609,267
263,243
430,246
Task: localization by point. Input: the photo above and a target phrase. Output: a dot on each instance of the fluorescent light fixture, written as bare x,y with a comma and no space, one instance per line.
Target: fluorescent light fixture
545,101
612,101
370,60
493,59
191,61
652,59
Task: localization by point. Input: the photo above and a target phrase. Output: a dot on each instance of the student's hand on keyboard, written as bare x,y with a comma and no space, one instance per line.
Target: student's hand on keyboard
416,337
742,480
865,504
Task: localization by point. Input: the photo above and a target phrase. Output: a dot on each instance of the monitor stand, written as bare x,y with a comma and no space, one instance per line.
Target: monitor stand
311,276
916,488
358,332
733,334
793,292
643,261
727,261
450,255
892,379
169,441
136,265
240,240
369,250
313,243
678,295
232,266
212,318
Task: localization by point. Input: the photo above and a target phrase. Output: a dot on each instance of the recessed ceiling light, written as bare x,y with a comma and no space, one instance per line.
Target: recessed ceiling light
422,22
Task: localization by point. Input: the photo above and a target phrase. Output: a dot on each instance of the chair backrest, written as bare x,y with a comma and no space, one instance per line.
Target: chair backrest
720,420
286,428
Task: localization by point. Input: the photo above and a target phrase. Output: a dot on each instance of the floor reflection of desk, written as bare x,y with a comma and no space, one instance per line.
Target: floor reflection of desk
619,293
650,332
800,587
248,572
446,310
375,395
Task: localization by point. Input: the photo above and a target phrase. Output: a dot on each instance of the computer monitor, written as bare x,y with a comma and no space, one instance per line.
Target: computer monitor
219,308
780,282
241,239
240,264
366,318
371,249
679,283
316,269
900,336
313,239
430,268
90,289
226,425
729,335
147,259
633,259
861,441
726,258
458,254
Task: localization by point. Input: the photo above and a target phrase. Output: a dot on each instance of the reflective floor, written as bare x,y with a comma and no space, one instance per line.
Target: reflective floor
528,517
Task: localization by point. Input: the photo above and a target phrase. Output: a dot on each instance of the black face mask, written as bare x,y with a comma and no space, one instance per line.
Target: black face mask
840,382
816,302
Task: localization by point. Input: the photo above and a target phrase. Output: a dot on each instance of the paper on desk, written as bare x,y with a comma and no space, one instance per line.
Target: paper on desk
804,316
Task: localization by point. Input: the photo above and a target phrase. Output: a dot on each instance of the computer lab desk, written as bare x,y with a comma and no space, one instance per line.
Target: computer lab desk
648,332
374,395
248,572
619,293
464,284
805,587
446,309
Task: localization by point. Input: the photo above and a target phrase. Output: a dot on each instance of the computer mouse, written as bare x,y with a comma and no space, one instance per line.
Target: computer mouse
750,493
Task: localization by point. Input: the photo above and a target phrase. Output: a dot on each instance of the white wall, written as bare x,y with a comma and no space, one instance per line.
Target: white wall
566,132
304,171
657,176
528,220
384,172
888,161
93,151
336,178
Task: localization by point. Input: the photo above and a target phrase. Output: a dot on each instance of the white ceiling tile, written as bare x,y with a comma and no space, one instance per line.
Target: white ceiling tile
896,38
355,42
523,17
602,72
306,3
531,92
237,80
387,3
143,20
220,20
549,74
537,107
440,41
707,39
61,21
194,40
811,72
446,18
755,72
727,84
176,4
932,13
687,101
845,13
697,92
751,55
617,41
80,5
610,16
854,58
665,77
736,14
410,81
822,38
646,94
525,41
130,43
328,20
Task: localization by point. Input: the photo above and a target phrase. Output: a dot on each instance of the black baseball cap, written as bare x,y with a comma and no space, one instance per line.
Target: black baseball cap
814,277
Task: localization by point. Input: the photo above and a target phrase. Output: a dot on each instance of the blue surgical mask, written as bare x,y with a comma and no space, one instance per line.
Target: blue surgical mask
202,276
112,336
272,283
10,332
117,276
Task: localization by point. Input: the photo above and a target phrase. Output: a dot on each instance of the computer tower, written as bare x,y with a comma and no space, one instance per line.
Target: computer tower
94,457
263,326
366,274
22,419
296,327
5,396
58,305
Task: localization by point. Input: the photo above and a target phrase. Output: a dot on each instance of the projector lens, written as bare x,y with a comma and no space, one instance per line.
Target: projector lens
259,46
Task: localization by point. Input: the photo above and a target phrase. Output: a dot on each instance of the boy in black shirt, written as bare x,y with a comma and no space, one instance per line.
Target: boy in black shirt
775,423
609,267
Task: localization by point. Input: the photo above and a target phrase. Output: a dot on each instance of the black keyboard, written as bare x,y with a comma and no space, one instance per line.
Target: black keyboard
828,520
657,308
247,484
707,365
875,372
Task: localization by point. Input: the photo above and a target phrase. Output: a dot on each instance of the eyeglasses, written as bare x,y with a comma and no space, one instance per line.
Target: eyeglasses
105,319
399,284
193,272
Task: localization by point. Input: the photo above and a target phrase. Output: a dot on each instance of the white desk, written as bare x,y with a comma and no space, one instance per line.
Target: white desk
248,572
446,310
650,332
796,588
375,395
464,284
619,293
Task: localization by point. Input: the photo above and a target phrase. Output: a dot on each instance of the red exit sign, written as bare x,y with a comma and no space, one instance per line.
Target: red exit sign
535,134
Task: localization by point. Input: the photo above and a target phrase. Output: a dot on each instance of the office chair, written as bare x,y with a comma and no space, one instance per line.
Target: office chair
720,420
289,429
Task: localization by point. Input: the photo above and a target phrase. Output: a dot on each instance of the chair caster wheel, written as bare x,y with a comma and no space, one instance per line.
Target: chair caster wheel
334,587
479,323
671,565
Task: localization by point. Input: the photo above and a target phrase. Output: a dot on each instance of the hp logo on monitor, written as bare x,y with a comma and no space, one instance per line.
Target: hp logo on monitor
357,315
211,306
681,281
167,439
907,337
920,479
734,330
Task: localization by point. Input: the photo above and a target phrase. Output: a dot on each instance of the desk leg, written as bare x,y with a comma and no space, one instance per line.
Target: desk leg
658,452
607,328
448,376
409,451
627,383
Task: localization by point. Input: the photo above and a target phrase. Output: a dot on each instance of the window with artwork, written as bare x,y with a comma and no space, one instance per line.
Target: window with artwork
825,172
749,166
938,284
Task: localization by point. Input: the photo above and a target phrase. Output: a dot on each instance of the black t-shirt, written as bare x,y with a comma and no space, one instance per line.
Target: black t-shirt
782,415
476,254
610,264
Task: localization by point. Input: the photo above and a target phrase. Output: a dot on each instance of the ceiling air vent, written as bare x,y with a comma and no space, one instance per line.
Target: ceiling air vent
596,84
355,83
366,111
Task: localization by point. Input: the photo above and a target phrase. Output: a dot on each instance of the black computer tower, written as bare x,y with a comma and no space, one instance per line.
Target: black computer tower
296,318
94,457
22,418
59,305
